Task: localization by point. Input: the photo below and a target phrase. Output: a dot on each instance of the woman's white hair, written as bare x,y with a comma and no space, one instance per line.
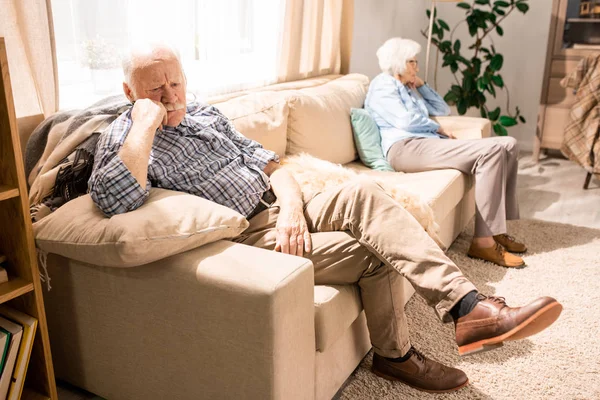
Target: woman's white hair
394,54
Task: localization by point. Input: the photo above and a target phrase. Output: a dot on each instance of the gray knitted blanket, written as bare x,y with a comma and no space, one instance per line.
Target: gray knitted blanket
59,156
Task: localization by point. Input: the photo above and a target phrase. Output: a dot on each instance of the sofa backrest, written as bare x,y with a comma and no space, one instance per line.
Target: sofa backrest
310,116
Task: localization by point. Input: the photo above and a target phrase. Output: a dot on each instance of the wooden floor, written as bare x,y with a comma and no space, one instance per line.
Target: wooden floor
551,190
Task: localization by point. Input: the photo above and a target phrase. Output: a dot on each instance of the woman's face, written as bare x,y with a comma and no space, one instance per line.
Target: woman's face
412,69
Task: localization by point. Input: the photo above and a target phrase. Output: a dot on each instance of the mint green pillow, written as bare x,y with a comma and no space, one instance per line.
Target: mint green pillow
368,140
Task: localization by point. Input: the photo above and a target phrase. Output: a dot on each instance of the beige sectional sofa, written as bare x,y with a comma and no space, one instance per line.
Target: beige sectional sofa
229,321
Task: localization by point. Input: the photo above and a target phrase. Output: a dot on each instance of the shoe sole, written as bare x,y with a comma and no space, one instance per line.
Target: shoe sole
539,321
502,265
393,378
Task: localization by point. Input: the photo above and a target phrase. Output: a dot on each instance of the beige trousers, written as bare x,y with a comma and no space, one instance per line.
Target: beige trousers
361,235
493,162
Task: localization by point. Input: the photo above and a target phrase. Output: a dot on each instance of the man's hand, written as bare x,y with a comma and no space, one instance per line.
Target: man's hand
150,113
443,132
292,233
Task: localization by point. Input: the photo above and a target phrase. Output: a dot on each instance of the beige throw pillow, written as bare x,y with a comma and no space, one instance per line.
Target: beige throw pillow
319,122
167,223
260,116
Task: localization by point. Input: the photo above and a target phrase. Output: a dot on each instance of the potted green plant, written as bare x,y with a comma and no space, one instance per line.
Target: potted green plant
100,57
477,74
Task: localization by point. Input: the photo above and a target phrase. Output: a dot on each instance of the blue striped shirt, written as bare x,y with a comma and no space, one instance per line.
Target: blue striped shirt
400,113
204,156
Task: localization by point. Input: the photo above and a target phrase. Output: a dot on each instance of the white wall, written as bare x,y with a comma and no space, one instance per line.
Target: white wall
523,46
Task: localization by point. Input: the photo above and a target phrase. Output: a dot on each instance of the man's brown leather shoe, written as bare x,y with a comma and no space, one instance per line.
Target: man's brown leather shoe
420,373
496,254
492,322
510,243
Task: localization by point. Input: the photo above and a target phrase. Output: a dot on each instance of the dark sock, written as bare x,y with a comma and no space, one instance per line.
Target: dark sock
465,305
401,359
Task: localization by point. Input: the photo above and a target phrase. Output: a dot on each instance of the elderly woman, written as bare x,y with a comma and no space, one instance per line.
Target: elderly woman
401,103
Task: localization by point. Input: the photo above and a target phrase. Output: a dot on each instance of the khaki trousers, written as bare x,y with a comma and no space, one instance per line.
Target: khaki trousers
493,162
361,235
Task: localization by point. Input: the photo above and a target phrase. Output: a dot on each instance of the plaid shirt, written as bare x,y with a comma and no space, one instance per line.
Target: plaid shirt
204,156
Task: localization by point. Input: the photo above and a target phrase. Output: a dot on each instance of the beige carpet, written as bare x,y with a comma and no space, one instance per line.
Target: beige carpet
562,362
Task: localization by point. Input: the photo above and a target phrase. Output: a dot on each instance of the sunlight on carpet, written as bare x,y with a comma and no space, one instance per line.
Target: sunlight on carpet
560,363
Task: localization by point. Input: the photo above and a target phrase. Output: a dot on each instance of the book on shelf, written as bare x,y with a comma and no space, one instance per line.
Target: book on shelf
29,327
3,274
4,342
16,332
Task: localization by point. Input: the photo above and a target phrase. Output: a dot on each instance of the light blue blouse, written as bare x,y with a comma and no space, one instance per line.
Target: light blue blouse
400,113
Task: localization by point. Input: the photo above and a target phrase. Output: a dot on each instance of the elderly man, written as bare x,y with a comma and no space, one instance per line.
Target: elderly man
401,103
352,234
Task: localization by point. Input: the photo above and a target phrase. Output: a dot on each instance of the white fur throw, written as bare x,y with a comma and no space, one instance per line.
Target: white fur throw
315,175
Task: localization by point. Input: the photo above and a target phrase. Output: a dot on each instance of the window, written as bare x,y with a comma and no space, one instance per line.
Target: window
225,45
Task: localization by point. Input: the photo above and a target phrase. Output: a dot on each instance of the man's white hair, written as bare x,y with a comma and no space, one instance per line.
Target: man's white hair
140,51
394,54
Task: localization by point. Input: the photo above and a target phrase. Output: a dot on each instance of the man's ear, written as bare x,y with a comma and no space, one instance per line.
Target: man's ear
128,92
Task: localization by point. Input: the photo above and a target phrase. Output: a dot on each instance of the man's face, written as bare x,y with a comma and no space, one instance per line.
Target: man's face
162,81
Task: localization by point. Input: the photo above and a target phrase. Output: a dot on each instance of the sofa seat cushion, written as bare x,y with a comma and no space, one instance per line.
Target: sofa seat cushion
319,121
336,308
441,189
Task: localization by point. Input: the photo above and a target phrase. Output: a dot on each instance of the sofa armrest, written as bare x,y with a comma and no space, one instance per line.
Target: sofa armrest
466,127
263,302
223,321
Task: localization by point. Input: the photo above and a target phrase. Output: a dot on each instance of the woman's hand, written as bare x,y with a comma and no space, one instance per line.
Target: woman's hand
416,83
443,132
292,232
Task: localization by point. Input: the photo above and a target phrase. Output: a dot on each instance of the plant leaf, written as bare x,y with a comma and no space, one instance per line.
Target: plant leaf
523,7
483,113
481,85
450,98
461,107
457,46
499,30
500,3
466,6
482,2
522,119
493,115
443,24
496,63
500,130
472,29
507,121
498,81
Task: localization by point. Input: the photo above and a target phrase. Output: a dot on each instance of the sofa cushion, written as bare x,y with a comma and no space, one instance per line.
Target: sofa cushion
441,189
260,116
368,140
319,121
167,223
336,308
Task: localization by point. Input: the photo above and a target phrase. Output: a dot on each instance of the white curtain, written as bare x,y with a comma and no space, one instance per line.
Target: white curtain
226,45
26,26
317,37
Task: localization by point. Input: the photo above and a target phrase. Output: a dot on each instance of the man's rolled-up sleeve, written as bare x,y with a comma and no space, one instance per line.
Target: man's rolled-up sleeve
112,187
